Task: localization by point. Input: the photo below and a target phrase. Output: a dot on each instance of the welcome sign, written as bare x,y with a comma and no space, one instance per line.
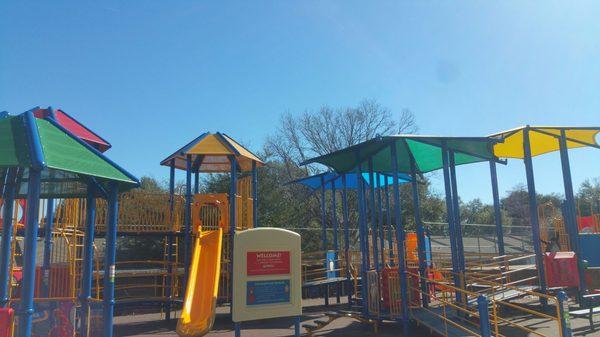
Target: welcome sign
266,274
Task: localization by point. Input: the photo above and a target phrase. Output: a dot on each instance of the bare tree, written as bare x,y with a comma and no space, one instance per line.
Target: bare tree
328,129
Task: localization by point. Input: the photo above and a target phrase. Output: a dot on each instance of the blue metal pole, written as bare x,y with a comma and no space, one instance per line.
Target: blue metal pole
88,260
450,217
497,212
533,213
380,220
31,226
373,214
254,195
109,258
335,237
457,222
323,218
346,235
232,219
364,249
366,210
400,237
48,227
187,245
31,234
565,320
570,218
196,182
484,316
297,326
8,198
389,222
420,233
170,239
334,218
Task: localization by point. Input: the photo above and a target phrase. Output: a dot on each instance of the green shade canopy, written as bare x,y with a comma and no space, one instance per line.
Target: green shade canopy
426,151
69,163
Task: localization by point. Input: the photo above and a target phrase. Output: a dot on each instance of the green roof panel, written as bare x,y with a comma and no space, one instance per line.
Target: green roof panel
13,145
63,152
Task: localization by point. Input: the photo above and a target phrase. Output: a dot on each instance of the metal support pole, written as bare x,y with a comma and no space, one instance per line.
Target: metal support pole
31,233
254,195
380,220
109,259
450,217
49,223
187,243
31,224
400,237
364,249
297,326
565,319
346,236
335,237
497,212
232,219
389,222
8,198
533,213
484,316
570,218
373,214
170,242
88,260
334,218
420,234
456,209
323,218
196,182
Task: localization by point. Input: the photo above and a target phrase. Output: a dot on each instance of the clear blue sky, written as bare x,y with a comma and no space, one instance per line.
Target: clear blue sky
151,75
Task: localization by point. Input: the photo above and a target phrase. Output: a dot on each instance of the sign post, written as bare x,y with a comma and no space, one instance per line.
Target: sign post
266,278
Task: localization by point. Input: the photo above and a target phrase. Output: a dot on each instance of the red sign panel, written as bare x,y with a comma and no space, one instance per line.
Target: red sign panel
267,263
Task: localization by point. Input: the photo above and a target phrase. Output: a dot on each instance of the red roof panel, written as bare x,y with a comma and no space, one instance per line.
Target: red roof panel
76,128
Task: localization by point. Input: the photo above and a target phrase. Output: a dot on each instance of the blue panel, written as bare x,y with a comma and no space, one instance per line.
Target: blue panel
267,292
590,248
314,182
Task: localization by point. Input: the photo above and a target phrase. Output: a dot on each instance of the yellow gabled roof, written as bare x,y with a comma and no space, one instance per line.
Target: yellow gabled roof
213,150
208,145
543,139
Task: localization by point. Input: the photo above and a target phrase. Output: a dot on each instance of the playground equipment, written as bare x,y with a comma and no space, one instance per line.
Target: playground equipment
46,164
200,303
478,288
214,219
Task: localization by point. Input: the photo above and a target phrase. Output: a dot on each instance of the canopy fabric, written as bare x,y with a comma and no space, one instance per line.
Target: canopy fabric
426,151
542,139
314,182
69,163
75,127
210,153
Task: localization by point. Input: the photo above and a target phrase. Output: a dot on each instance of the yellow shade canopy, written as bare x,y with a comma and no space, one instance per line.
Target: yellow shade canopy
210,153
543,139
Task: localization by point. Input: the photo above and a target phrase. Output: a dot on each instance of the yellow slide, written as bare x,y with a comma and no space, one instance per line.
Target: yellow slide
198,314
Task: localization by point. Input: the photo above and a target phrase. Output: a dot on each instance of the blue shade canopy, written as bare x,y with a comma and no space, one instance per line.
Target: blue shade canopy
330,178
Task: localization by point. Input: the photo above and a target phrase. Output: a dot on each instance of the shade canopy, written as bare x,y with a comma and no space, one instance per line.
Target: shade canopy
210,153
315,182
75,127
426,151
68,164
543,139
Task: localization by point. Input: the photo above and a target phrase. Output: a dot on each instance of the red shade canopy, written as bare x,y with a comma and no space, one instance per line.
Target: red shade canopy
76,128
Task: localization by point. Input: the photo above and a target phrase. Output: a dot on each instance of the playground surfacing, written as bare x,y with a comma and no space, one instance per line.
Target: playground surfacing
153,325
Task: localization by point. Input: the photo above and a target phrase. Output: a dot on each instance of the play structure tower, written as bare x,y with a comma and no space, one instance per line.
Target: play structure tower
47,167
211,220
